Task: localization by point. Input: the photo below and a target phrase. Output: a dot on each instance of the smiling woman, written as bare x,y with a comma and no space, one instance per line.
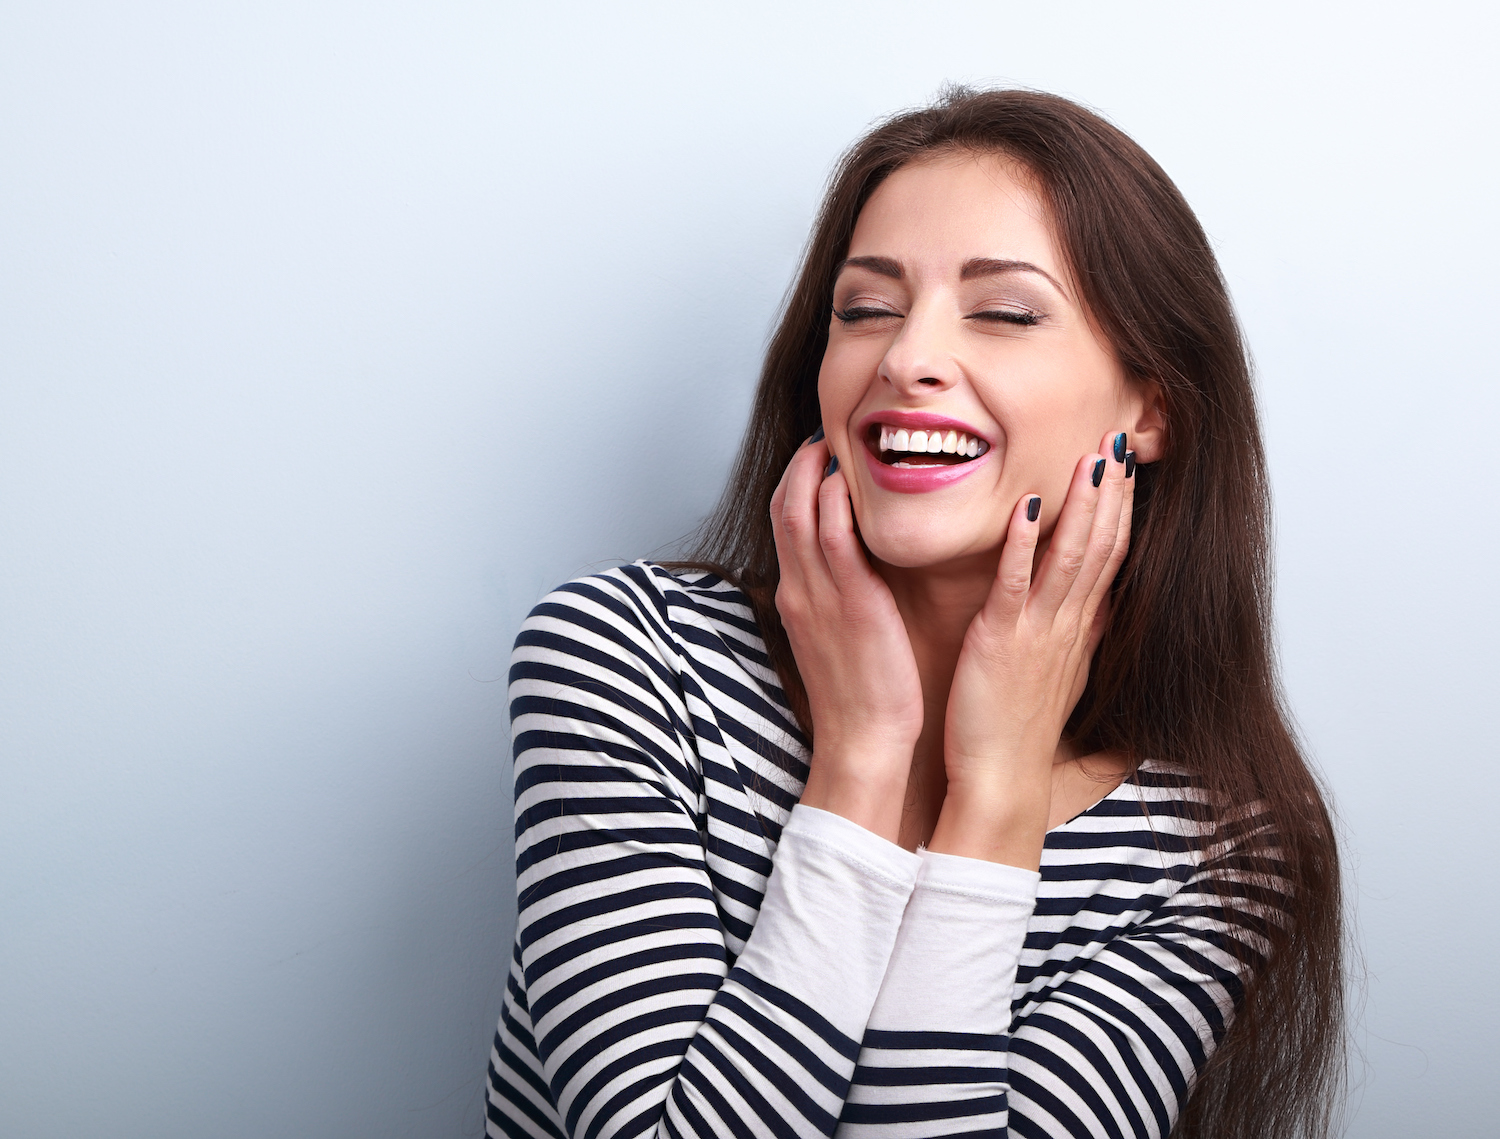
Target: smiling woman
948,791
1000,344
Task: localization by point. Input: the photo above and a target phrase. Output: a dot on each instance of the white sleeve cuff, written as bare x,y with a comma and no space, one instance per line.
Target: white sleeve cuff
850,840
953,967
829,918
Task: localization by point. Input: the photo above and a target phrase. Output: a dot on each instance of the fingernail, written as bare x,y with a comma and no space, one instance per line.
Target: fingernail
1129,463
833,465
1098,475
1033,508
1120,447
816,435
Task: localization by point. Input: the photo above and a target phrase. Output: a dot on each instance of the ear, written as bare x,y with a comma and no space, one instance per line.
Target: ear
1148,435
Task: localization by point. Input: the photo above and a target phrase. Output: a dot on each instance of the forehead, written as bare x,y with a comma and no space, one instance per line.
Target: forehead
946,209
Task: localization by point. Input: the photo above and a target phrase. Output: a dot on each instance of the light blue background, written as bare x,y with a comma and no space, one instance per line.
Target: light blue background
331,336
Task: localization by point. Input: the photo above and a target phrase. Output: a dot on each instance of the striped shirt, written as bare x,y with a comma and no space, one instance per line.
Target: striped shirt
696,955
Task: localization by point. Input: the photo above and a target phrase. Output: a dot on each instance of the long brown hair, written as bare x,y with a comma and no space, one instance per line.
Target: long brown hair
1185,671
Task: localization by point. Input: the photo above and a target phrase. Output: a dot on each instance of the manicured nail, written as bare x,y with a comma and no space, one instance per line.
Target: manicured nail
833,465
1129,463
816,435
1120,447
1098,475
1033,508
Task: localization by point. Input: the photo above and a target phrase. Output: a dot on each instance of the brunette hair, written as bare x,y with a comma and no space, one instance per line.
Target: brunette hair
1185,672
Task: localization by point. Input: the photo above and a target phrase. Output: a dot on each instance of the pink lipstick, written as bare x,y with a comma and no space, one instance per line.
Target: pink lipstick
913,452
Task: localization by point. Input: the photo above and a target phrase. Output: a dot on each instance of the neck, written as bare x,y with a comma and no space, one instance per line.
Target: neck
937,603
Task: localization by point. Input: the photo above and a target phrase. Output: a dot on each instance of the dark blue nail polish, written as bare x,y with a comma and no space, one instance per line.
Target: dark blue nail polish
1120,447
1129,463
816,435
1098,475
1033,508
833,465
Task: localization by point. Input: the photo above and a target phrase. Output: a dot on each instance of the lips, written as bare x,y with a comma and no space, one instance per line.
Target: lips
914,452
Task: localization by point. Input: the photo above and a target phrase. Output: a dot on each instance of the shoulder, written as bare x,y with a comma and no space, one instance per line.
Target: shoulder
1164,817
1231,843
646,606
647,668
648,623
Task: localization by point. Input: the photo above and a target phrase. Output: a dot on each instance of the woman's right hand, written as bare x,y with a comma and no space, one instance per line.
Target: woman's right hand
851,648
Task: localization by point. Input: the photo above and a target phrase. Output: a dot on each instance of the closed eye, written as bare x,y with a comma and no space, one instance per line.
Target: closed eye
1005,316
854,315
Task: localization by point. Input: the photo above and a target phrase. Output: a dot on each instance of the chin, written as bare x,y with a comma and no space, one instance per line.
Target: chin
919,547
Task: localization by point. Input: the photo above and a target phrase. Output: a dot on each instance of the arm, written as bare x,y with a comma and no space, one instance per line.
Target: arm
1114,1017
933,1062
642,1023
1113,1046
933,1059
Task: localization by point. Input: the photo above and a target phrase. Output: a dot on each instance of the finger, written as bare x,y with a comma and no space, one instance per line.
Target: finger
1013,577
794,508
1065,554
778,496
1127,505
1100,623
841,549
1101,588
1105,531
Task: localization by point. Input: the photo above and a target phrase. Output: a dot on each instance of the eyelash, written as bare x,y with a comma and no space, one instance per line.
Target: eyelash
1006,316
851,315
991,316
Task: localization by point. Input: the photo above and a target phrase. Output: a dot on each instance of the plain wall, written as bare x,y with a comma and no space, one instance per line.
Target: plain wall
332,336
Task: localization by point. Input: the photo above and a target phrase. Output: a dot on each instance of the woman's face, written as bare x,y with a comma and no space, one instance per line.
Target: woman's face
955,313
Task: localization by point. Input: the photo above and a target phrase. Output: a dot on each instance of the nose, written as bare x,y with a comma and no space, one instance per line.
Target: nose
921,360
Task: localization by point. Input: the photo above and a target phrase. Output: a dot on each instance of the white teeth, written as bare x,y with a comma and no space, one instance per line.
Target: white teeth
931,442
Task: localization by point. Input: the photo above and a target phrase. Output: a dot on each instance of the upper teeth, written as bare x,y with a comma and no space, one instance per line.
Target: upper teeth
932,442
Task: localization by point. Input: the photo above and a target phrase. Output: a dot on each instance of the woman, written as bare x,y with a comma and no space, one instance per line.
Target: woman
949,791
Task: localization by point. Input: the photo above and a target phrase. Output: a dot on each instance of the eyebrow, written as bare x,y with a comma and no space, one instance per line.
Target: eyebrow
972,268
992,266
885,266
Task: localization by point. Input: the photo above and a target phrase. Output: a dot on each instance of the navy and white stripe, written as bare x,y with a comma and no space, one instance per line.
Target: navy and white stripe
657,989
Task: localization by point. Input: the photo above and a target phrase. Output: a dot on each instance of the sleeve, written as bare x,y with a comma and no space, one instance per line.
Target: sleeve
1110,1051
1113,1049
642,1026
933,1058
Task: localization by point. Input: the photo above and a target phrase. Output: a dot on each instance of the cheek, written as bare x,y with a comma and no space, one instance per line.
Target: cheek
1046,435
1065,407
843,384
832,385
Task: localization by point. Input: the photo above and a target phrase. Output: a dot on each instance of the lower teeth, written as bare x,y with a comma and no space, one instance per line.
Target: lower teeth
904,464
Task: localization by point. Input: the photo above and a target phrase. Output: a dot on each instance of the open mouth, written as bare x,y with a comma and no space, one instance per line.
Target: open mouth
904,448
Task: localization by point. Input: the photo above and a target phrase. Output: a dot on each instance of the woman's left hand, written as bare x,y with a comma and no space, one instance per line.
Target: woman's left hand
1024,664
